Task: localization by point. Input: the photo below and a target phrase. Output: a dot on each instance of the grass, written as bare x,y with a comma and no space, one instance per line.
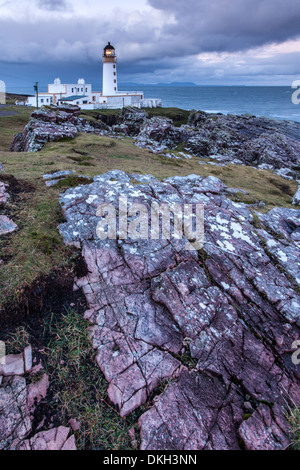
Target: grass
80,388
294,421
17,341
36,248
11,125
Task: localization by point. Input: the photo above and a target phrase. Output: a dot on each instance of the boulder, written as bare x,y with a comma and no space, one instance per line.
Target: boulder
52,123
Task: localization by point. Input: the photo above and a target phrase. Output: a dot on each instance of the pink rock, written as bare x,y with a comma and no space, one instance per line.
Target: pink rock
260,432
36,391
55,439
212,328
27,358
75,425
13,364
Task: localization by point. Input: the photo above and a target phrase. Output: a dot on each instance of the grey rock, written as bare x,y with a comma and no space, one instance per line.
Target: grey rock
296,198
6,225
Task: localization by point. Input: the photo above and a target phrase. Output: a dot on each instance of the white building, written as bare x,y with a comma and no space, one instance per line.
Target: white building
82,95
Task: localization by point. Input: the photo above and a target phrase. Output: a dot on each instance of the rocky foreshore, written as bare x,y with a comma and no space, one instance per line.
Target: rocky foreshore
256,141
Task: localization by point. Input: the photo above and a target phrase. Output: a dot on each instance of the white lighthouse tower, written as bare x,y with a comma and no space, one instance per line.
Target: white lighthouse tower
110,85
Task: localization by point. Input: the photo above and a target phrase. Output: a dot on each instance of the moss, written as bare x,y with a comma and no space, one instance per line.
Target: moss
72,182
246,416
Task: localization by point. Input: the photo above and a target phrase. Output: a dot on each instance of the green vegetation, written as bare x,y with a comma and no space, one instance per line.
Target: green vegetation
11,125
17,341
294,421
80,389
178,116
36,248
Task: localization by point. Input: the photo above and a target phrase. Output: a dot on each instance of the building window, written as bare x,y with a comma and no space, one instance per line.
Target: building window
115,74
86,90
115,89
94,98
114,66
115,81
42,100
81,89
72,90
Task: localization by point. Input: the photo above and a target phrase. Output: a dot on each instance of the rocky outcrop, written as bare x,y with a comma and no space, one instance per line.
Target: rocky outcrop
207,332
19,397
131,121
53,123
249,140
259,142
256,141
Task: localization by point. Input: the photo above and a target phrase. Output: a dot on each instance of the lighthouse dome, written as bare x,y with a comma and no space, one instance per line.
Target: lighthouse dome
109,50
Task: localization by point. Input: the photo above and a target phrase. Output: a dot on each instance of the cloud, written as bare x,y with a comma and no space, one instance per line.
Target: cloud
53,5
205,41
222,25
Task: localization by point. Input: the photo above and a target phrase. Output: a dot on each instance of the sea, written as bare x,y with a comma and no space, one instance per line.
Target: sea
269,101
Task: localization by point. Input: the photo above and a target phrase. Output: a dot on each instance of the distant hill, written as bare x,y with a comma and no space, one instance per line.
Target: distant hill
122,85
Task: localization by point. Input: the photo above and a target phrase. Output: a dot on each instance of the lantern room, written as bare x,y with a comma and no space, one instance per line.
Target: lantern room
109,51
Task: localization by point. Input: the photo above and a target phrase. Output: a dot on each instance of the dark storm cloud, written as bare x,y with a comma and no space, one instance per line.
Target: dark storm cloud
228,25
161,44
53,5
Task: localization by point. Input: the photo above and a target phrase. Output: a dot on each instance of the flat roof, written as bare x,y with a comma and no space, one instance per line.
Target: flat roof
73,98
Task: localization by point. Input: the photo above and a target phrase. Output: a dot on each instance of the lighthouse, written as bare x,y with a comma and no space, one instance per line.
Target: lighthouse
110,85
81,93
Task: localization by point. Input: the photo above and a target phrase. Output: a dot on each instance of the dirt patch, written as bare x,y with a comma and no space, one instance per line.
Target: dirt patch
16,186
47,295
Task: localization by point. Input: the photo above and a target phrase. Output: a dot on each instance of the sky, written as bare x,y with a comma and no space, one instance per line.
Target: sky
208,42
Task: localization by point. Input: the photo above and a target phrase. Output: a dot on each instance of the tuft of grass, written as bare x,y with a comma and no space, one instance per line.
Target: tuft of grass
80,389
178,116
294,421
17,341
